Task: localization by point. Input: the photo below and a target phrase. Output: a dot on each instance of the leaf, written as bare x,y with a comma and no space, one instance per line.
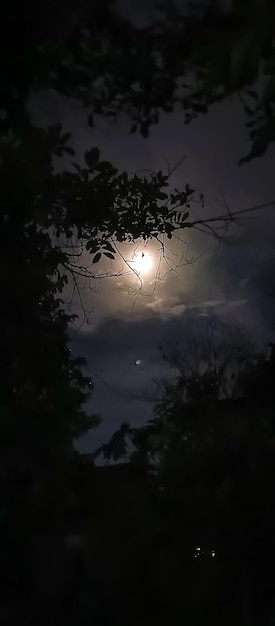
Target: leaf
103,166
167,108
85,175
188,189
200,107
144,130
92,157
107,245
161,195
68,150
91,120
260,144
253,94
248,110
97,257
90,245
185,216
269,91
65,138
109,255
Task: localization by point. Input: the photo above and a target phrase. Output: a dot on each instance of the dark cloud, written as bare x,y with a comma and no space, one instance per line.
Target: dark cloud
123,389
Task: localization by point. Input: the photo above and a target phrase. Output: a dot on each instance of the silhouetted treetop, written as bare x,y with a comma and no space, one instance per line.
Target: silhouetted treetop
87,51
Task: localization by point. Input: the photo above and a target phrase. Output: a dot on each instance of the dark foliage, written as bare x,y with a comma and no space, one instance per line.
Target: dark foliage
81,544
213,461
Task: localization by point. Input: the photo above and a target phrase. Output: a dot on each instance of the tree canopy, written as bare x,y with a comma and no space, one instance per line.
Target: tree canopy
89,52
212,455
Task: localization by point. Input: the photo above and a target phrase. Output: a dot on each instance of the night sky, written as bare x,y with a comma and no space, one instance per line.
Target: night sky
233,280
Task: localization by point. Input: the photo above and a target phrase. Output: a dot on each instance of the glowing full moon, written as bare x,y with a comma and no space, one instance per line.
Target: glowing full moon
141,263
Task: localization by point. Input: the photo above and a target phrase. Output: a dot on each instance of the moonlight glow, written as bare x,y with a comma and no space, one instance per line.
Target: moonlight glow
141,263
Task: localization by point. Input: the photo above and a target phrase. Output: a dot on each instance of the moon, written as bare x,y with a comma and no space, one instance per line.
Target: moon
141,263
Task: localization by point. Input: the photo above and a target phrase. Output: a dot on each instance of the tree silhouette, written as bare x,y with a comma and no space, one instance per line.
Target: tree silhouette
88,52
213,458
193,59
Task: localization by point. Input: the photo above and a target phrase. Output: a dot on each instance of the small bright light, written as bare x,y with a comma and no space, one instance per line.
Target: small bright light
213,554
138,362
141,263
